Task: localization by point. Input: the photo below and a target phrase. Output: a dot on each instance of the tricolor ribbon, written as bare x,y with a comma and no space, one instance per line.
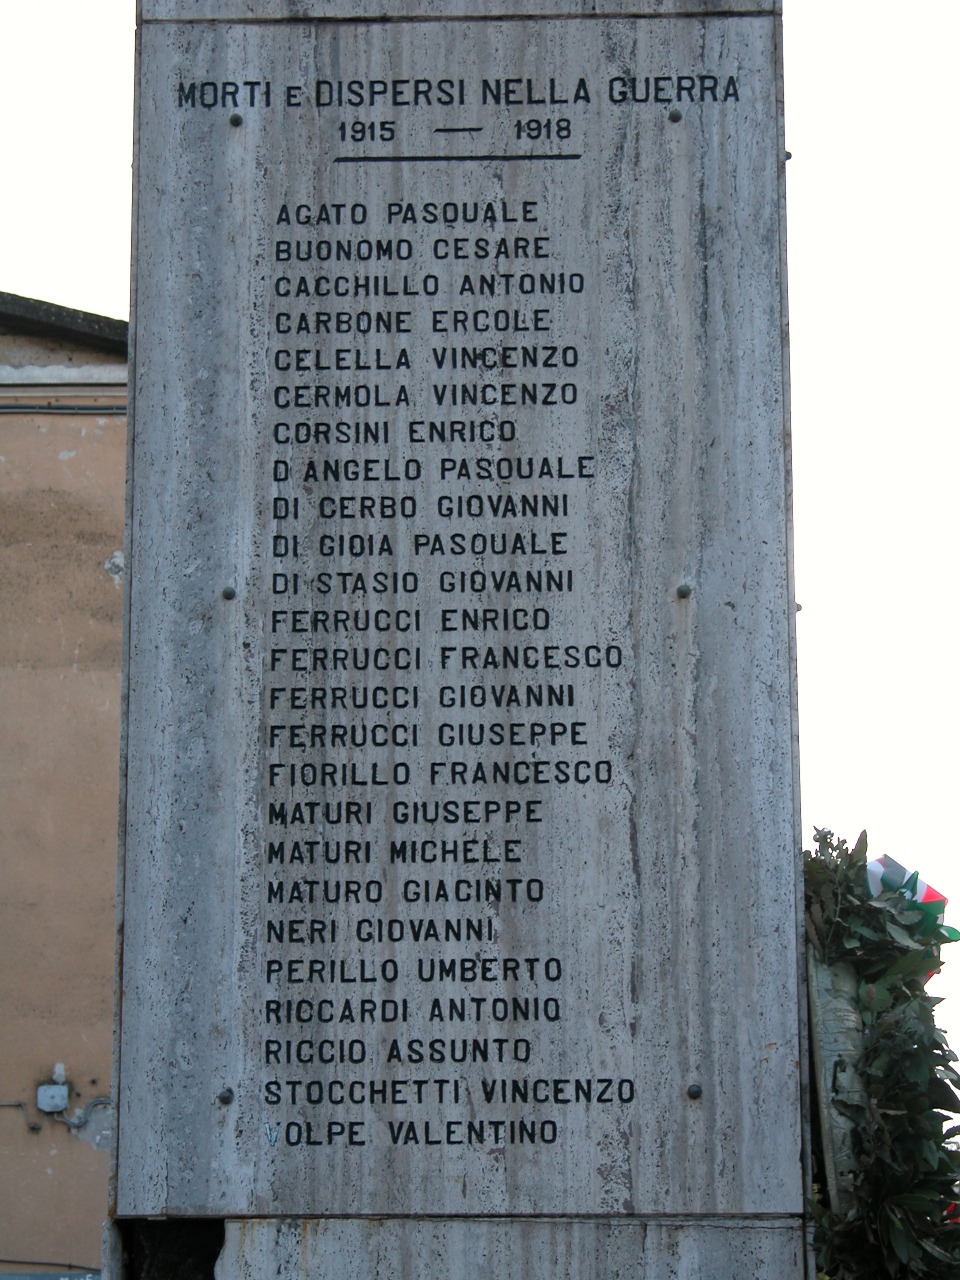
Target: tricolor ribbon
887,876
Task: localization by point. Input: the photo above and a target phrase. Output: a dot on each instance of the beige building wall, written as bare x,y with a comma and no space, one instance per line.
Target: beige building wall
61,523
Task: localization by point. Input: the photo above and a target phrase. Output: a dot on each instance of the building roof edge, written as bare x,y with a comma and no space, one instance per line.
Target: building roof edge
48,320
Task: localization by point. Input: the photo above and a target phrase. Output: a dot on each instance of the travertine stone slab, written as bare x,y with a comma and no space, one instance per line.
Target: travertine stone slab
513,1250
284,10
459,844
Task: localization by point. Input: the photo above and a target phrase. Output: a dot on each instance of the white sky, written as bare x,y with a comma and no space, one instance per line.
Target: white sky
873,195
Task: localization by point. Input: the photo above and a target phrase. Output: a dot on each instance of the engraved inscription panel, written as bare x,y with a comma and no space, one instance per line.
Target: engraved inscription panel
458,841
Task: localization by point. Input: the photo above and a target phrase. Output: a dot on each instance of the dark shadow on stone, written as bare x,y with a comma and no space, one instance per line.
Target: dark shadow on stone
172,1249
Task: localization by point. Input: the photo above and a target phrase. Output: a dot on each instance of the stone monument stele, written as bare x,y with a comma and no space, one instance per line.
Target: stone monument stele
459,832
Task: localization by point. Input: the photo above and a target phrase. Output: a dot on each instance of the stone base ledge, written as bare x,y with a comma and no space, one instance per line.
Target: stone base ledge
667,1248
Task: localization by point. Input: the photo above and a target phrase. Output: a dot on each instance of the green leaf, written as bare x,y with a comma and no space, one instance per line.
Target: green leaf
942,1096
862,931
901,936
916,1203
916,1070
912,965
880,1063
936,1252
898,1237
875,996
931,1154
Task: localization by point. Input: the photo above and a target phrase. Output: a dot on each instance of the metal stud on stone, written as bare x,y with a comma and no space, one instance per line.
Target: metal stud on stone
236,119
695,1091
225,1096
684,591
229,593
674,114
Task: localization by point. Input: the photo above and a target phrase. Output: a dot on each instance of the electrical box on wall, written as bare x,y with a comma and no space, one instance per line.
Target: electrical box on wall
53,1097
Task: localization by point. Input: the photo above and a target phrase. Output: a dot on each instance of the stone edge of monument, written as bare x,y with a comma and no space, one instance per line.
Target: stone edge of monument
513,1249
803,1014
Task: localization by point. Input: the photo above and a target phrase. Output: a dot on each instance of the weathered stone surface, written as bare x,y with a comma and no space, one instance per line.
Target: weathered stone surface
498,1249
645,940
328,10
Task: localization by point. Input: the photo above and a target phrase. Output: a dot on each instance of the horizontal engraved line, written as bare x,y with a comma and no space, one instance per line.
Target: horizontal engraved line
418,159
776,1221
401,19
